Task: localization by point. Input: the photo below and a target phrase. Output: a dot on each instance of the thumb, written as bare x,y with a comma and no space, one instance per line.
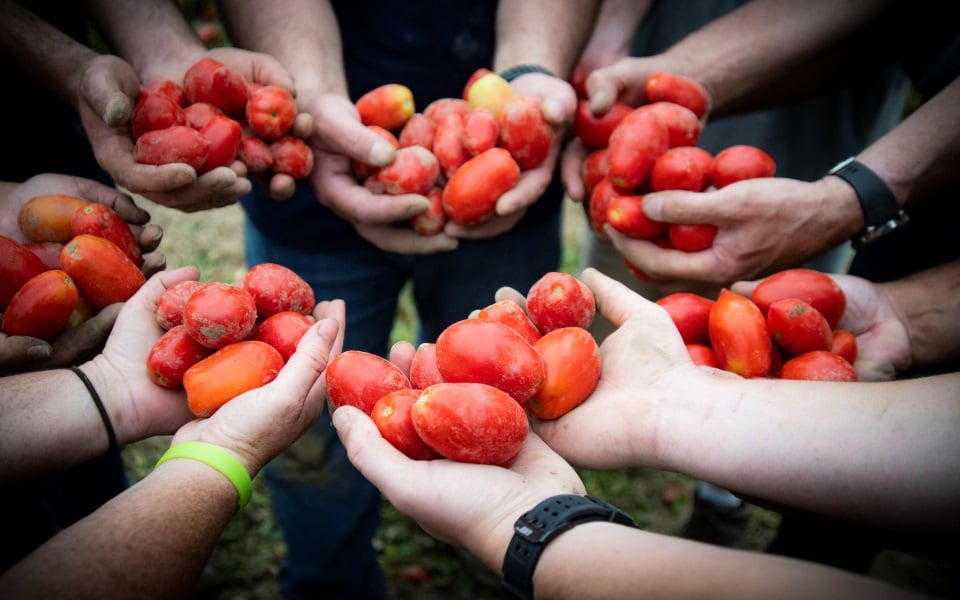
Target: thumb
373,456
615,301
680,207
110,86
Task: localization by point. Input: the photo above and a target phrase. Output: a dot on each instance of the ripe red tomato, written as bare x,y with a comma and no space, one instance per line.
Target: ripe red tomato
223,136
209,80
677,169
17,266
101,220
423,368
470,422
471,194
271,111
172,355
360,378
845,344
816,288
669,87
292,156
798,327
634,146
392,416
41,307
170,305
691,314
740,162
102,272
276,288
594,130
703,355
179,143
513,316
155,111
818,365
625,214
219,314
480,351
283,331
558,300
691,237
572,358
739,335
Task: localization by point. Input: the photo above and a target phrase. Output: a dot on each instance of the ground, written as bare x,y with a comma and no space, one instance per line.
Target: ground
246,561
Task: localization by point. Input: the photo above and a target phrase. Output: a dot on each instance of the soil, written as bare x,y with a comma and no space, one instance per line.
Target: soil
246,562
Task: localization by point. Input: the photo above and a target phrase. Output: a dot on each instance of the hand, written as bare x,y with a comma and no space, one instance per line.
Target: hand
147,234
765,225
257,425
883,343
468,505
558,102
626,81
646,370
339,137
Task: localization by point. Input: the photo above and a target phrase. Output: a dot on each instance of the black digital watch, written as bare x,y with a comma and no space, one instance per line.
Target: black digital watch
881,211
536,528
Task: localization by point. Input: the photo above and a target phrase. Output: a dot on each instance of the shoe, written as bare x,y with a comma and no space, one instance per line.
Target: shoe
715,523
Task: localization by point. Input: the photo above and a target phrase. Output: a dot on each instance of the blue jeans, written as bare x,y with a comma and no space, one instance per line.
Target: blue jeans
327,511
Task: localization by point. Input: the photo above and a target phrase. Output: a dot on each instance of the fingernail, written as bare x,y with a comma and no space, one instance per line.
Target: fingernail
553,111
327,328
652,205
39,352
600,101
382,153
341,419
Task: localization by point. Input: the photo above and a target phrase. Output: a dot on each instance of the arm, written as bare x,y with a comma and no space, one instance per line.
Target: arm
154,538
850,450
475,506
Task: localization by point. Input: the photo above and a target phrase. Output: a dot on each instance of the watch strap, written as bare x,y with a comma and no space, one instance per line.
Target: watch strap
881,211
539,526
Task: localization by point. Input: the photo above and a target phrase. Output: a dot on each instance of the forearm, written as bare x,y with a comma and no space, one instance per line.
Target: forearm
51,57
49,422
869,452
601,560
152,540
616,24
763,40
919,156
304,37
548,33
149,34
928,304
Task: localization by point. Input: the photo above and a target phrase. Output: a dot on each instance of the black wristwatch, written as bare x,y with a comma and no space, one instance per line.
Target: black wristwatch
881,211
536,528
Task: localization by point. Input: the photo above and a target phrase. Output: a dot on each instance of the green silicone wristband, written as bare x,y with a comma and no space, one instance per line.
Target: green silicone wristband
219,459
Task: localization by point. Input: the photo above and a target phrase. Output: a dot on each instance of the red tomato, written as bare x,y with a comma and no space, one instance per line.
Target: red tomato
691,237
739,335
223,136
179,143
481,131
209,80
392,416
703,356
480,351
683,125
276,288
740,162
845,344
229,372
634,146
471,195
448,143
47,217
423,368
172,355
199,114
415,170
17,266
594,130
798,327
625,214
816,288
603,194
513,316
558,300
360,378
292,156
594,169
219,314
388,106
669,87
691,314
818,365
572,358
271,111
42,307
102,272
432,220
170,305
283,331
419,130
677,169
470,422
101,220
155,111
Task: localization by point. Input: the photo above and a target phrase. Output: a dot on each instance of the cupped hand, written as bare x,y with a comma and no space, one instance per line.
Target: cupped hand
468,505
257,425
338,139
883,342
646,371
147,234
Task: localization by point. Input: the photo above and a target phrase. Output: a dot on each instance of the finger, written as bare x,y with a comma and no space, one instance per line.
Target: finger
615,301
153,262
378,461
306,365
508,293
303,125
344,134
150,237
486,229
282,186
401,354
571,169
20,349
683,207
664,264
358,204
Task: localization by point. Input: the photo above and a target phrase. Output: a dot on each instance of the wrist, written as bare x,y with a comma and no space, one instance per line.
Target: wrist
880,211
